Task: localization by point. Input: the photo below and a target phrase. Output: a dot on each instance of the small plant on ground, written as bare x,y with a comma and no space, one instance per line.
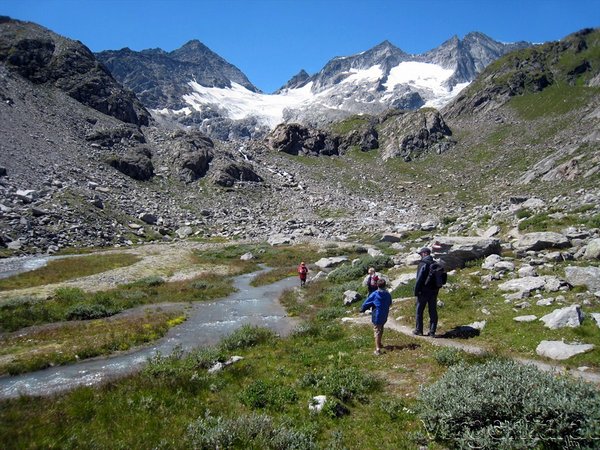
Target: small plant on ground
246,431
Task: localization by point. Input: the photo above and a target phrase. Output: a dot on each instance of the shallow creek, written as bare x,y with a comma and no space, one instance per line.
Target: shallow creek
207,323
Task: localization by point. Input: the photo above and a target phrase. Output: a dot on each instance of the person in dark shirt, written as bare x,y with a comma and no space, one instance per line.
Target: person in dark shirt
426,294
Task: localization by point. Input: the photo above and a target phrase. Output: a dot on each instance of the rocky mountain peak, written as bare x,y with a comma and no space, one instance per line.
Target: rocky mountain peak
194,51
297,81
46,58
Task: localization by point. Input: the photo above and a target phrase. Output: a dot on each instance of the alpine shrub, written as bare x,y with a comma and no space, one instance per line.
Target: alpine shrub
84,311
246,336
349,272
344,384
262,395
503,404
448,356
247,431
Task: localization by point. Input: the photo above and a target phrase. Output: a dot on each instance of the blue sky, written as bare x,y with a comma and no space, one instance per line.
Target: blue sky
271,40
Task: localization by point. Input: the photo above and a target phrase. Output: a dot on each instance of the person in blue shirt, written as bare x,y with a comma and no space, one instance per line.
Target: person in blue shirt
379,302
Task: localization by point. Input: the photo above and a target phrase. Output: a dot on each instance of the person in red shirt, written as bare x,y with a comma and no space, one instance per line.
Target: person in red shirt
302,273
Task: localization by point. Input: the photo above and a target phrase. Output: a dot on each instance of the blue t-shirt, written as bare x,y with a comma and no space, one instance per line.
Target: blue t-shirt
380,301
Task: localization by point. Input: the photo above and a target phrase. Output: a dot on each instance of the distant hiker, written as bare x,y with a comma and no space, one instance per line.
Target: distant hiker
371,279
430,278
302,273
379,302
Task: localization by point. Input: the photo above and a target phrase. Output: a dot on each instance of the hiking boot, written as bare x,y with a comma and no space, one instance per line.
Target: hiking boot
431,334
417,333
377,352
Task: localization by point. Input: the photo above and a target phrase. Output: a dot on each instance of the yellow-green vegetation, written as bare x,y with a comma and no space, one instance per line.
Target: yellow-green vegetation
44,346
557,99
74,324
350,124
67,269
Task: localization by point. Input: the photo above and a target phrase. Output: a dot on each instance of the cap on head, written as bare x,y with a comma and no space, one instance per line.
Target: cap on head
425,250
302,263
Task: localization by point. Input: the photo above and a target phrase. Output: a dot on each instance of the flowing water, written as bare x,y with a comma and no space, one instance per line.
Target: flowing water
207,323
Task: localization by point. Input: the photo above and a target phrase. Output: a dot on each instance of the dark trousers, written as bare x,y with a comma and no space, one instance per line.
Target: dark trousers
429,299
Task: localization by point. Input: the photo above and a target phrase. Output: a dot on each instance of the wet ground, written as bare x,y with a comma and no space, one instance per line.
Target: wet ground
207,323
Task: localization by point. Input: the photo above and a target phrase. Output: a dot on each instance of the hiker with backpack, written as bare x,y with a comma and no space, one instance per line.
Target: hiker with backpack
370,280
302,273
430,278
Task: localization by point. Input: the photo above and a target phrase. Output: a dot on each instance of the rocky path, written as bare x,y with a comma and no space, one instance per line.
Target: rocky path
392,324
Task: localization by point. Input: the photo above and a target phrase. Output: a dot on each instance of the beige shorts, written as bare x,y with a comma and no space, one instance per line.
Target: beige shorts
378,330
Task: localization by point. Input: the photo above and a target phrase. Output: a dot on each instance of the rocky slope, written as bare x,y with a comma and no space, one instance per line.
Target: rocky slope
73,176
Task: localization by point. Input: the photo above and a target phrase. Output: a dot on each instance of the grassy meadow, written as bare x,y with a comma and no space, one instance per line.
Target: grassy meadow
262,401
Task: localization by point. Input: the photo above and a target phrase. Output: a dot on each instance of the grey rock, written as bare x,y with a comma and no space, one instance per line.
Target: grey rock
135,164
351,297
148,218
490,261
559,350
592,250
455,251
527,271
526,284
184,232
247,256
327,263
529,318
583,276
571,316
279,239
540,241
596,317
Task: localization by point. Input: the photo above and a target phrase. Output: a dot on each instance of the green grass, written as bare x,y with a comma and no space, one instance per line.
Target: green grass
172,393
51,346
464,299
350,124
555,100
74,303
67,269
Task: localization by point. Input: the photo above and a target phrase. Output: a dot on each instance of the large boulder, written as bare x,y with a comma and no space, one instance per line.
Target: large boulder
234,172
592,250
570,316
296,139
584,276
135,164
541,241
328,263
190,153
415,132
455,251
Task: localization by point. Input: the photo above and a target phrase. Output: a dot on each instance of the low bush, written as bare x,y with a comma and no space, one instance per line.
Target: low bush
246,336
151,281
327,314
261,394
84,311
349,272
343,383
247,431
448,356
503,404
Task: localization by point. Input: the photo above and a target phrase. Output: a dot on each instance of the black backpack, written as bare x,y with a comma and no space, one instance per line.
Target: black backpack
437,276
